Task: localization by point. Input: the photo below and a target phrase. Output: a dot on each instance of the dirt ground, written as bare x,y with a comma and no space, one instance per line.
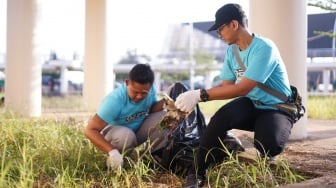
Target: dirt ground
314,156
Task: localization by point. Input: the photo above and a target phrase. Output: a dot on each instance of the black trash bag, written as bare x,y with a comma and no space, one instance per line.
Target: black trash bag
181,141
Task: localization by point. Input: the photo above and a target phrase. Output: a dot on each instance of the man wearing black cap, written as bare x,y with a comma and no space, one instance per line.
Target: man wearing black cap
252,108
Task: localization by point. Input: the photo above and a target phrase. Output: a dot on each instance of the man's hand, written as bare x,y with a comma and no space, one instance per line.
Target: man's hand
169,103
187,101
114,160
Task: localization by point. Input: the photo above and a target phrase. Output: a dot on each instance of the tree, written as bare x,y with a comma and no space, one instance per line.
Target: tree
132,57
329,5
203,59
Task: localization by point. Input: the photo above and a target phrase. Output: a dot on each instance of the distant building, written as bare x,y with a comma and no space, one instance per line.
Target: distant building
321,48
177,44
320,22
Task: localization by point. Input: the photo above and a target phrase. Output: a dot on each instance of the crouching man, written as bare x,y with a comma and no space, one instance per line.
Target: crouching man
126,116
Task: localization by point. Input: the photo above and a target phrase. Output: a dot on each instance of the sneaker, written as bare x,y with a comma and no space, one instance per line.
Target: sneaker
194,181
233,144
267,157
272,159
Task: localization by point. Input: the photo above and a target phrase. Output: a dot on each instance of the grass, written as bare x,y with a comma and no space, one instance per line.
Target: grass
54,153
61,104
253,173
321,107
45,153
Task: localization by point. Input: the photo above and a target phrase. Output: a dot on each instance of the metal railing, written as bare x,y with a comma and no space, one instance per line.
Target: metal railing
318,60
321,52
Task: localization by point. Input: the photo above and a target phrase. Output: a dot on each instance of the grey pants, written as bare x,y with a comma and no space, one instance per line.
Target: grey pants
124,138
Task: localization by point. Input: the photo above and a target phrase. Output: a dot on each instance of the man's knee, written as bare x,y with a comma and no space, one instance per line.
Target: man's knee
149,127
269,148
121,138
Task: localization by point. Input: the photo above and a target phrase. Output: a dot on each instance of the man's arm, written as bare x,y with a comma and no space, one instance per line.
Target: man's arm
228,89
92,132
158,106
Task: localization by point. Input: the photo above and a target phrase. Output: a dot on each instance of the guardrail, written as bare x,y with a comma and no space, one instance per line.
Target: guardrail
321,52
124,68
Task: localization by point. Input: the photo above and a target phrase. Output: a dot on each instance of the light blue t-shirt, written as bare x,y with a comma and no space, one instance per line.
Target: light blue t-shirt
263,64
118,109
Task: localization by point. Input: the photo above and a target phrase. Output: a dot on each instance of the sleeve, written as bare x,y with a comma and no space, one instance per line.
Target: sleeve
262,64
110,108
227,72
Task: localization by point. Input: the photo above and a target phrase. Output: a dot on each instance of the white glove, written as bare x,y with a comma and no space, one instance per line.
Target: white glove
188,100
114,160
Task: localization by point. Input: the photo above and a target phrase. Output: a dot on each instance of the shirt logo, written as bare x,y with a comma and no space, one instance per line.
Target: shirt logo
239,74
135,116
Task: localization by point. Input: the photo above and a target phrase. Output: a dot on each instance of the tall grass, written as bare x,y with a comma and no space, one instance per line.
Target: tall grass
63,104
48,153
255,172
321,107
43,153
54,153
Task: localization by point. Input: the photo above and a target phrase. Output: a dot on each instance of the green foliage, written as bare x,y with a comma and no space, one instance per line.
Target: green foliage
203,59
45,153
55,153
321,107
325,33
329,5
254,173
174,77
244,171
211,107
63,104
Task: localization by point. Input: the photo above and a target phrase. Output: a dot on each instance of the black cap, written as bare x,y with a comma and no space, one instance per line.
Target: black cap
227,13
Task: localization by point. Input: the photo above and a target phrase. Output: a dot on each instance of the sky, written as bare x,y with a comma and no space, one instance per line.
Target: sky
132,24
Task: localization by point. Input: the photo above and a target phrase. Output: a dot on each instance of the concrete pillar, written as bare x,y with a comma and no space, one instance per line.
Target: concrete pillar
98,72
157,80
285,22
23,68
326,80
64,81
207,80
